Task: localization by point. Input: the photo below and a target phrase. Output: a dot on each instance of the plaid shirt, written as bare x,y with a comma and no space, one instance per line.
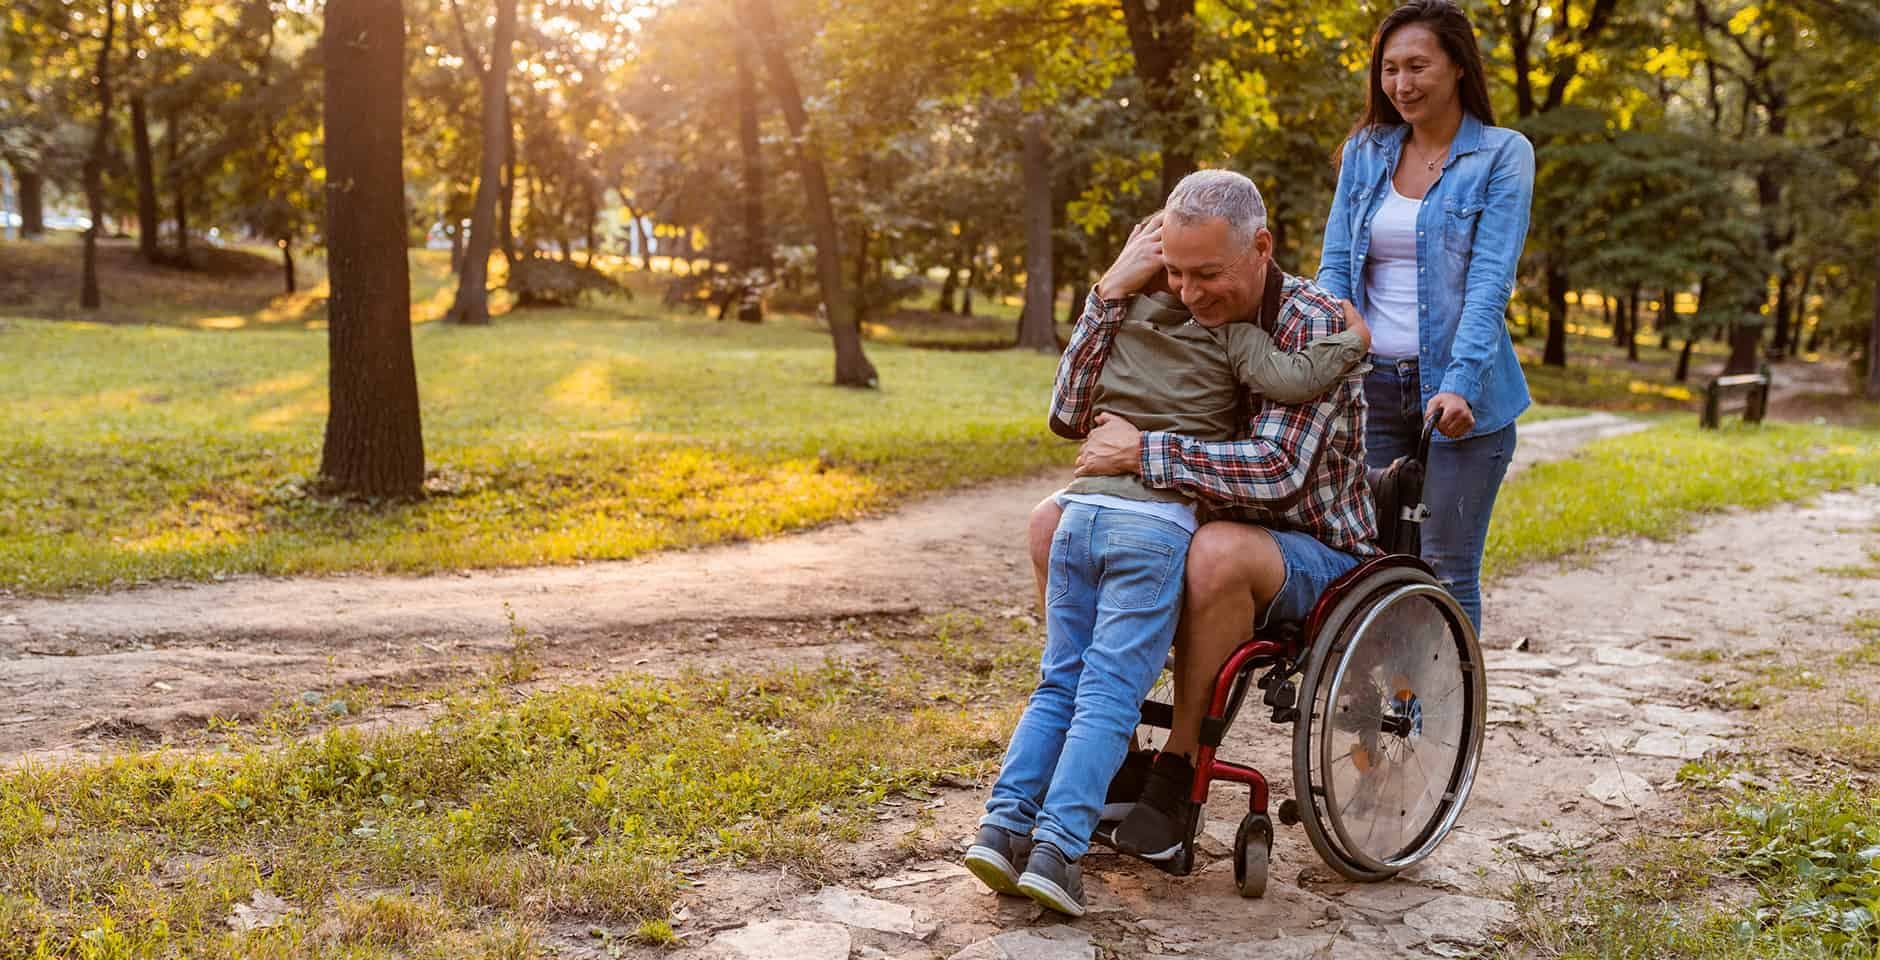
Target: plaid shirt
1301,466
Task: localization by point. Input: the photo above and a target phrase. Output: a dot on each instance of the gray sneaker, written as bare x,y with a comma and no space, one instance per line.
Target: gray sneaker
1053,881
996,857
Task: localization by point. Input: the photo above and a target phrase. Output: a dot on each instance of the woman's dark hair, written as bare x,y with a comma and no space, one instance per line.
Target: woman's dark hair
1457,35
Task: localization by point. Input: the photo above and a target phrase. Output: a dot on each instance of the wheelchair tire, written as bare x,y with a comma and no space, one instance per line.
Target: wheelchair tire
1387,742
1253,855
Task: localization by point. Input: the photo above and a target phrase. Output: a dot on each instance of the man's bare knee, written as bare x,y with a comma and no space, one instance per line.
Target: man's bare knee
1219,561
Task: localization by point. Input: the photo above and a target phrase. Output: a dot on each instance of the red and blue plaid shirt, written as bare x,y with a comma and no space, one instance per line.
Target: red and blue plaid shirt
1300,466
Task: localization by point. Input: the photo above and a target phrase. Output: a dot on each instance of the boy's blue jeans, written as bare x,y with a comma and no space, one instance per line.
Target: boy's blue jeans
1112,598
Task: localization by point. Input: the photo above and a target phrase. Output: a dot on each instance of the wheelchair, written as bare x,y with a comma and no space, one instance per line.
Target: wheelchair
1384,686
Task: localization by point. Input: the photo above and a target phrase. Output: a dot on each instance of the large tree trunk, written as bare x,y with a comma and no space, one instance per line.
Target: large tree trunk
32,188
1556,353
1036,323
472,304
1162,40
374,444
754,252
148,219
88,296
852,366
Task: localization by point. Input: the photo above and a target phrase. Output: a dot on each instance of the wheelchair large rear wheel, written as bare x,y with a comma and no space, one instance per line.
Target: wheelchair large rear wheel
1393,705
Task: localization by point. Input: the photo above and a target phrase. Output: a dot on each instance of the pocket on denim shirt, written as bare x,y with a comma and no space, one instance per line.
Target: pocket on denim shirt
1459,223
1137,570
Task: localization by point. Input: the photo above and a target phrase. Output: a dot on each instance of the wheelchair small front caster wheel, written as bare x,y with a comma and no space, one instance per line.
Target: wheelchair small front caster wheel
1253,854
1289,812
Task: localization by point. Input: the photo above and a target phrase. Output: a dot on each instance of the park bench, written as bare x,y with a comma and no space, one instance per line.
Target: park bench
1747,393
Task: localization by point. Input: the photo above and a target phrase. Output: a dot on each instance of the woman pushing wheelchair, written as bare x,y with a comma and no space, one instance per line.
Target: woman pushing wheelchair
1424,234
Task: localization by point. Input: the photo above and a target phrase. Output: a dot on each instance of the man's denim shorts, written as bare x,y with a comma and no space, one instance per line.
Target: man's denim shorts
1311,566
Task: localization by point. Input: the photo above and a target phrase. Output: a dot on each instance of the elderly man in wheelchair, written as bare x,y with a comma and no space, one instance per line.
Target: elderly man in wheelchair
1304,589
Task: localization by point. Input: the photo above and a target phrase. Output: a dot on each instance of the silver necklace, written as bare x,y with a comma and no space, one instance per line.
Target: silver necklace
1430,165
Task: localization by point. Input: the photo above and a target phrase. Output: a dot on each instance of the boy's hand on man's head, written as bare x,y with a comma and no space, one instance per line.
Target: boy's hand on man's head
1138,264
1354,321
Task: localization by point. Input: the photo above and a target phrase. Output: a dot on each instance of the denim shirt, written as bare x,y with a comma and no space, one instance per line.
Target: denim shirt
1470,231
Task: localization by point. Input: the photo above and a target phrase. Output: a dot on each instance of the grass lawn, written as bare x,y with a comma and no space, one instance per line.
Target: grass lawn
1652,483
144,452
467,837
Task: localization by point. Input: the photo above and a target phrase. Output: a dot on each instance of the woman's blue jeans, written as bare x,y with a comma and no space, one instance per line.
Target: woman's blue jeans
1112,597
1459,484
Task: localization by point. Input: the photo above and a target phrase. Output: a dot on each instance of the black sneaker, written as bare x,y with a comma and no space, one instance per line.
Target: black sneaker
996,856
1127,786
1053,881
1158,828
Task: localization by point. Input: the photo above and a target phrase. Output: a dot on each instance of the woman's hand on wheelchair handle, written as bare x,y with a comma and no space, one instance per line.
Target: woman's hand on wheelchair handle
1113,448
1454,418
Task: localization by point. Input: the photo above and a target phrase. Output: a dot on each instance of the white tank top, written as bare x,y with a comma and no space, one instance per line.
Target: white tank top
1390,278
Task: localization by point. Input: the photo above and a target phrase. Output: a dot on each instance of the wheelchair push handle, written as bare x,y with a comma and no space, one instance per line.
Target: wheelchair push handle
1423,441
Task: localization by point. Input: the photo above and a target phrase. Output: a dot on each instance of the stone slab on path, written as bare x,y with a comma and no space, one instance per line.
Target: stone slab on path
782,940
1045,943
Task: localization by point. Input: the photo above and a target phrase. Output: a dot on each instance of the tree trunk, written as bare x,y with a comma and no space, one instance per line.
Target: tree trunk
88,296
511,171
643,239
173,147
32,188
471,307
1036,326
1745,338
455,232
1873,336
966,292
1801,312
1684,361
1631,325
1606,314
149,221
1667,315
1556,353
852,366
1779,346
948,288
1161,41
287,263
374,443
754,253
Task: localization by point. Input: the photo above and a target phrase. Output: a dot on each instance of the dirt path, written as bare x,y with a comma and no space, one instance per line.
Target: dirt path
141,664
1589,724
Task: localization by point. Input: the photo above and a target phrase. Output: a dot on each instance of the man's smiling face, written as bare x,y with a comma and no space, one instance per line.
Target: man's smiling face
1218,279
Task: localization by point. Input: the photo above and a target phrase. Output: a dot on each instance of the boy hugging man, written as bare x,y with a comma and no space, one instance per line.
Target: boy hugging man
1113,590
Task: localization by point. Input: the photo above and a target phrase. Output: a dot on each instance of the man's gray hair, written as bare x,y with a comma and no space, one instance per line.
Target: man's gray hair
1219,195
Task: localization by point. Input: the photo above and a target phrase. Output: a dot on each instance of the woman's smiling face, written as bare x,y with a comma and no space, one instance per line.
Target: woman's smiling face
1418,77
